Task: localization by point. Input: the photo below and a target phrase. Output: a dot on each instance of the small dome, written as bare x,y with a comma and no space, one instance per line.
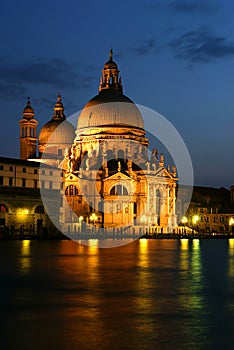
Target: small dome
58,132
28,112
110,65
110,109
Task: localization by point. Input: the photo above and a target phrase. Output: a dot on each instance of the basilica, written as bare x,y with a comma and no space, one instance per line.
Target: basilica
108,176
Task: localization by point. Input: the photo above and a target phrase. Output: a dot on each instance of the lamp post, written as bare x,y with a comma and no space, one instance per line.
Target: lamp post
184,221
195,220
231,223
93,218
81,218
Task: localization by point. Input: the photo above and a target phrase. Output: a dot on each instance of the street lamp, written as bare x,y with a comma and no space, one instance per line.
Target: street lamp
231,223
195,220
184,221
81,218
93,218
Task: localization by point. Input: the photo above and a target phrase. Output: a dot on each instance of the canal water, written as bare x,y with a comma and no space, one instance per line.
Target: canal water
150,294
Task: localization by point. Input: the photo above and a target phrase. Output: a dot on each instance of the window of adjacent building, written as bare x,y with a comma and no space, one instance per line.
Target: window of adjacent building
221,219
24,170
119,190
51,173
1,167
60,152
51,184
214,218
43,172
1,180
35,183
35,171
11,181
42,184
207,219
23,182
11,168
39,210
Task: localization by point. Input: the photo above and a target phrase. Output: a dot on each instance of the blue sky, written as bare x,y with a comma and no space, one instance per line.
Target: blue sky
176,57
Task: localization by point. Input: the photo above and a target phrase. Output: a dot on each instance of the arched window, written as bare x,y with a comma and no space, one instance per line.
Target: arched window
120,153
119,190
39,210
71,190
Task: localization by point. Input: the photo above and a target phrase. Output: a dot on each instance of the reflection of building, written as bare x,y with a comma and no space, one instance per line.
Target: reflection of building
108,170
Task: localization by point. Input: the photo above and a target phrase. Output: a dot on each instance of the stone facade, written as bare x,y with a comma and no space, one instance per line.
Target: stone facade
109,175
22,212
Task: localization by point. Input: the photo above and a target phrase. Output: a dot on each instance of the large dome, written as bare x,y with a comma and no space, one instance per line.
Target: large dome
110,107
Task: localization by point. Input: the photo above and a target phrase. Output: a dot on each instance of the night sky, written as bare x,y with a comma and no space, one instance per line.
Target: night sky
176,57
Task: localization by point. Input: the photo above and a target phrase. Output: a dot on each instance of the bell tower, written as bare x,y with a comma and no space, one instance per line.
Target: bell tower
28,133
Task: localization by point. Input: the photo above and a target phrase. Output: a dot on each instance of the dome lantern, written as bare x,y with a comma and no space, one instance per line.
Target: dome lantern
28,112
110,76
59,109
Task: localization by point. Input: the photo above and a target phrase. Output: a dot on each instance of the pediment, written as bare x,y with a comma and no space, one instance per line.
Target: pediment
119,176
71,177
163,172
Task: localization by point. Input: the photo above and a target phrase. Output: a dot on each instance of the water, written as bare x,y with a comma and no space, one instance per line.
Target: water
150,294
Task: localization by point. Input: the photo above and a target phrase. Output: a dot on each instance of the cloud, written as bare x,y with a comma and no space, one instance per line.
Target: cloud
201,46
199,6
143,47
17,77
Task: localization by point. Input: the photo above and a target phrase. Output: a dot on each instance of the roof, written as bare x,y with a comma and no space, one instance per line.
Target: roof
18,161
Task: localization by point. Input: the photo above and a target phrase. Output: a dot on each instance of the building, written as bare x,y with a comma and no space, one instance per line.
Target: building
103,172
22,212
211,210
110,181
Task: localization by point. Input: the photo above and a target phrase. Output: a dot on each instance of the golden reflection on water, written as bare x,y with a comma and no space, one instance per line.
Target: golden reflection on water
143,259
144,301
231,258
25,259
231,267
191,275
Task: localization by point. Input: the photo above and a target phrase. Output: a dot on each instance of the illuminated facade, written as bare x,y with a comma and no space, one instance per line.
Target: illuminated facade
110,180
21,209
